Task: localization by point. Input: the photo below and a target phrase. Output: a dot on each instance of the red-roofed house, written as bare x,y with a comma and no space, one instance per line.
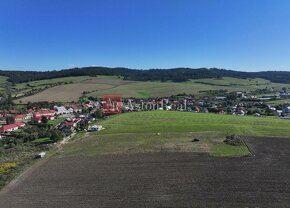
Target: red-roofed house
38,119
21,117
44,112
11,127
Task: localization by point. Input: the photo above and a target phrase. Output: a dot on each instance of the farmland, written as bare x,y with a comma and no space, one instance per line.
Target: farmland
129,165
158,180
2,83
97,86
136,133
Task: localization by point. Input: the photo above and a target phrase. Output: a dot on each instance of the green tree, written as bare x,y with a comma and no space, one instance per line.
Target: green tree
56,135
44,120
10,120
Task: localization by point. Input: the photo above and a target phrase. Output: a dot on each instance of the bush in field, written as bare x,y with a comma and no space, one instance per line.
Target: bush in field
233,140
5,167
56,135
33,136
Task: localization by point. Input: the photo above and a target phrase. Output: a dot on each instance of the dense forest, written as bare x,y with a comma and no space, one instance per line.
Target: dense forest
176,74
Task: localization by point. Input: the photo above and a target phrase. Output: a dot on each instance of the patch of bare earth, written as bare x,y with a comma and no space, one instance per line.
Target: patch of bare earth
160,180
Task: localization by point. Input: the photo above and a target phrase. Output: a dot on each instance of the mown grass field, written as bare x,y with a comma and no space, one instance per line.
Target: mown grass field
56,121
279,102
137,133
3,81
97,86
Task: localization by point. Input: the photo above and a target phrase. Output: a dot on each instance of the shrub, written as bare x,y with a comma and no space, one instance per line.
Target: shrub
5,167
42,141
233,140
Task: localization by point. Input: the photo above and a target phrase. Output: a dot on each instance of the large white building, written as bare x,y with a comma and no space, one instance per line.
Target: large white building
63,110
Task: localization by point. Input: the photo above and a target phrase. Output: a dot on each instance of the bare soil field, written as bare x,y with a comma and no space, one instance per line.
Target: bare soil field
159,180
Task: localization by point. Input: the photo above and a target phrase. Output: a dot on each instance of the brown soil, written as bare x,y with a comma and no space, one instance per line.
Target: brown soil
159,180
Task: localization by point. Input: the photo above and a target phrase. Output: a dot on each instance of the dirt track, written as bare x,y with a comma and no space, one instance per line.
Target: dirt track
160,180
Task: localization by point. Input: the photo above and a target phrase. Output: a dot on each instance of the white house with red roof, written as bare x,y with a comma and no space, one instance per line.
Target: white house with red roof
44,112
22,117
11,127
38,119
38,115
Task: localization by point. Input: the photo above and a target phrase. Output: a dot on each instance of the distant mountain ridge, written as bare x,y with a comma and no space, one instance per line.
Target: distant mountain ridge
175,74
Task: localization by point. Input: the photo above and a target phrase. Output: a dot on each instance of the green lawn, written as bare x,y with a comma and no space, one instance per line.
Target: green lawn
56,121
137,133
164,121
3,79
279,102
224,150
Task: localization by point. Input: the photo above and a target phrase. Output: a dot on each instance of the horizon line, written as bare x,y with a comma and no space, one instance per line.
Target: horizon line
133,68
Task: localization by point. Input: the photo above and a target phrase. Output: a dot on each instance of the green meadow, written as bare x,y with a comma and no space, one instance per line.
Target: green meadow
169,131
279,102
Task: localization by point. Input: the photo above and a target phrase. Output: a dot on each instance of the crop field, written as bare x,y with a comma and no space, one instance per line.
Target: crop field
97,86
63,93
158,179
137,133
129,165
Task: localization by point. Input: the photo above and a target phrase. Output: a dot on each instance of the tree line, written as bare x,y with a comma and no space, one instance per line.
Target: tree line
175,74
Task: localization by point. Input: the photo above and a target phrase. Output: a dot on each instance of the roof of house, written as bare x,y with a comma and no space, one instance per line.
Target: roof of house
38,118
20,116
11,126
69,124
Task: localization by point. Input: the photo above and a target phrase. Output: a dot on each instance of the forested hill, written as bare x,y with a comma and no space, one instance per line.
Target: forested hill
176,74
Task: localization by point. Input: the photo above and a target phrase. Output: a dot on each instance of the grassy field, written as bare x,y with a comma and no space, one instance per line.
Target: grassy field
56,121
97,86
3,81
278,102
137,133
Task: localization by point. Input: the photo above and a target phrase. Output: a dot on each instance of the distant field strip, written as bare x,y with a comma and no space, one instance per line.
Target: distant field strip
97,86
62,93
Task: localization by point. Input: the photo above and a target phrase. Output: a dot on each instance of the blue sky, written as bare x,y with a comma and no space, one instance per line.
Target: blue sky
249,35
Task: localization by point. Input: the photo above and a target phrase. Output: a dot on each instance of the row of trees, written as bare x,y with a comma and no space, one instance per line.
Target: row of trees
176,74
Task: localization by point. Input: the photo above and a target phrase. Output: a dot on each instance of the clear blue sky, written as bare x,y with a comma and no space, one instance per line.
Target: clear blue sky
250,35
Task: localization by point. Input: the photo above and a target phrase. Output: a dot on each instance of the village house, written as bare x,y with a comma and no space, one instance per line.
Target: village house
286,109
75,120
68,127
38,119
220,98
284,94
76,108
60,110
11,127
44,112
22,117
